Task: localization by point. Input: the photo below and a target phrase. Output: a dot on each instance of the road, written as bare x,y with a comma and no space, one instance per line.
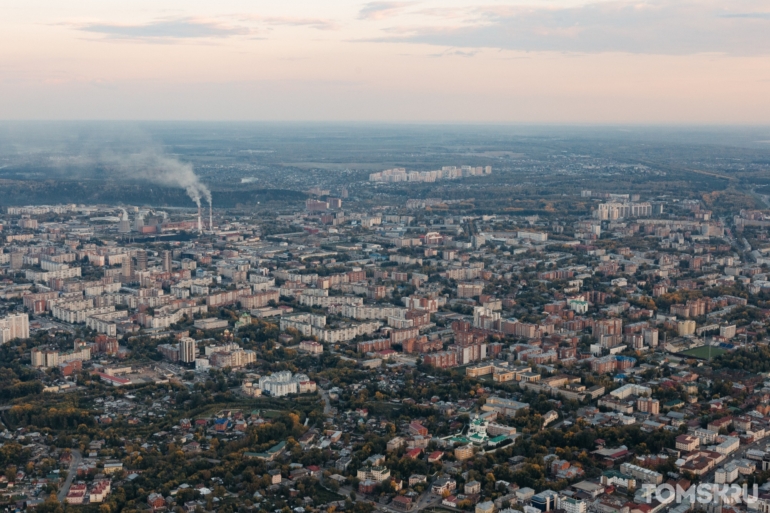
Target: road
327,402
71,473
427,500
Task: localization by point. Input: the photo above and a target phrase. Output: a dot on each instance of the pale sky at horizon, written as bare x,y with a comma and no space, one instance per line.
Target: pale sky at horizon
506,61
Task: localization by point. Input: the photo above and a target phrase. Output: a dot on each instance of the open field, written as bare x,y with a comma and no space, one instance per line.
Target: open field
703,352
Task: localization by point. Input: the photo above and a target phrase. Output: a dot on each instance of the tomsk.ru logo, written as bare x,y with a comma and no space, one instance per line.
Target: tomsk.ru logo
704,493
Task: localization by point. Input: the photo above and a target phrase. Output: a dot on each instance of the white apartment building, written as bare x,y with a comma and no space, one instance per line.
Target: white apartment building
571,505
376,473
328,301
260,283
304,323
631,389
613,210
78,316
46,276
105,323
333,336
231,346
484,317
533,236
282,383
187,350
50,358
729,446
361,312
706,436
642,474
14,326
233,359
311,346
726,474
49,265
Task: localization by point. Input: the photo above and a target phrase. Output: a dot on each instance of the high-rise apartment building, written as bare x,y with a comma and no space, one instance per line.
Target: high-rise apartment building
17,260
14,326
141,260
187,350
166,255
127,269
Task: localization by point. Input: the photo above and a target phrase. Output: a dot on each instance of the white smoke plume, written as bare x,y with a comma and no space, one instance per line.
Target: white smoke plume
160,169
105,151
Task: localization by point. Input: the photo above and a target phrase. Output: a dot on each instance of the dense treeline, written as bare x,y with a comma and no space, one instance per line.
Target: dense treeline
16,379
23,192
754,359
66,416
12,453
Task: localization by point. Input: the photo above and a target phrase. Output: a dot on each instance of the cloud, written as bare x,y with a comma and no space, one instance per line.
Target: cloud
382,10
455,53
316,23
738,27
164,29
755,15
174,29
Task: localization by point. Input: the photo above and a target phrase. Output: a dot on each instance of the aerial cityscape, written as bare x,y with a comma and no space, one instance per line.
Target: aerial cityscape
385,256
316,318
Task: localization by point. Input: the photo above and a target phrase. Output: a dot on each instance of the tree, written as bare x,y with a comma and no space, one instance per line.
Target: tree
50,505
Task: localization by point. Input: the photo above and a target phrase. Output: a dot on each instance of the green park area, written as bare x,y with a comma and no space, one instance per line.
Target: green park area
703,352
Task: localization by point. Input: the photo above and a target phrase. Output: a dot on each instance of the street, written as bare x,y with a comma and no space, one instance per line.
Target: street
71,473
327,403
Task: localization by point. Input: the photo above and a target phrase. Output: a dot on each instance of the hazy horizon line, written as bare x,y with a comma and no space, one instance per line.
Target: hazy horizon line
586,124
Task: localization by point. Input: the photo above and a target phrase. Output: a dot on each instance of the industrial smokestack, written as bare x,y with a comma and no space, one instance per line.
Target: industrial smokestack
200,226
211,217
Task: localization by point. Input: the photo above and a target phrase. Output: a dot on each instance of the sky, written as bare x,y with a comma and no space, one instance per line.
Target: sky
435,61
